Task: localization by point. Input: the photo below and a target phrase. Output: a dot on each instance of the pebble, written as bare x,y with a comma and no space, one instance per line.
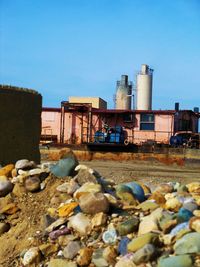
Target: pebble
93,203
147,225
64,167
24,164
81,224
176,261
4,227
128,226
7,170
110,236
122,247
32,184
87,188
139,242
33,255
5,186
189,243
85,256
71,250
99,219
194,224
144,254
98,259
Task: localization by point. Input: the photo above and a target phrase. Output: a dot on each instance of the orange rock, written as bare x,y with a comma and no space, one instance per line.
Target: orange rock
158,197
9,209
7,170
66,209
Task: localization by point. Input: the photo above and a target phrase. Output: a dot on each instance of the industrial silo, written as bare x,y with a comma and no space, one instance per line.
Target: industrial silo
144,88
123,93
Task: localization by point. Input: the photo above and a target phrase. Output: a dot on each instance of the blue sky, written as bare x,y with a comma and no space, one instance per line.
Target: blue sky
68,48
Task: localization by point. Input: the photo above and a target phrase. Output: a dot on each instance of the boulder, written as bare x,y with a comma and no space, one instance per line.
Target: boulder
93,203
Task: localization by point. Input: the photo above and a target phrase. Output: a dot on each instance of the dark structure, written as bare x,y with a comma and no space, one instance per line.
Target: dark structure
20,124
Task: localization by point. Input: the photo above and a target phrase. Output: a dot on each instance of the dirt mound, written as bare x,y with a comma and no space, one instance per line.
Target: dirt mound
26,223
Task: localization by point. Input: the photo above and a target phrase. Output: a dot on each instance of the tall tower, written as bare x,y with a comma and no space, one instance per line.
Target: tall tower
123,93
144,88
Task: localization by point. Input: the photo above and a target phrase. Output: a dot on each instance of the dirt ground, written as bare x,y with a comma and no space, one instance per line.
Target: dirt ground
149,172
26,222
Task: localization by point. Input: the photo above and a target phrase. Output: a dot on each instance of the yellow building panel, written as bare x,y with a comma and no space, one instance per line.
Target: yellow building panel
96,102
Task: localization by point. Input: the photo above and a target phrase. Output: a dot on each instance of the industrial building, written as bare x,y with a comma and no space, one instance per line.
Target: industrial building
84,120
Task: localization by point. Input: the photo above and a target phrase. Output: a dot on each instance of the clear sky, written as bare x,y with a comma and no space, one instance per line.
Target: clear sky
68,48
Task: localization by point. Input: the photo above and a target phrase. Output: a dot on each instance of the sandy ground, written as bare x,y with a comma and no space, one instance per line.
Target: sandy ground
150,172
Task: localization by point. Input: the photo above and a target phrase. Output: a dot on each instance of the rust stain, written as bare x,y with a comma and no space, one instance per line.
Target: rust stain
54,155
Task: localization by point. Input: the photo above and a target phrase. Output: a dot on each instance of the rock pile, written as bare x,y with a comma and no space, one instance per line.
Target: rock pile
94,222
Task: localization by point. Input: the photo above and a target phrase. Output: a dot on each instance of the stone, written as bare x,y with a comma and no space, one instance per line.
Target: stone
189,243
5,186
164,188
80,223
99,219
36,171
176,261
147,225
64,167
141,241
14,172
56,224
71,250
93,203
167,221
128,226
137,190
193,187
184,215
148,205
9,209
32,184
69,187
4,227
111,199
194,224
24,164
196,213
158,197
122,247
87,188
125,263
85,256
145,188
110,254
191,206
67,209
56,233
63,240
7,170
179,227
61,263
85,175
125,193
173,204
109,236
98,259
33,255
48,249
144,254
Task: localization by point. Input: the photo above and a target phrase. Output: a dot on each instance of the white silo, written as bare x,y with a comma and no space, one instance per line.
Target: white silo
144,88
123,93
